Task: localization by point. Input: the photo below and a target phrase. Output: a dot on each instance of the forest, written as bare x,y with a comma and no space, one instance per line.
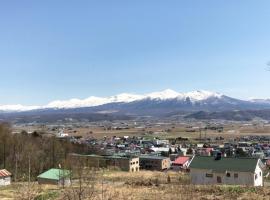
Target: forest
27,155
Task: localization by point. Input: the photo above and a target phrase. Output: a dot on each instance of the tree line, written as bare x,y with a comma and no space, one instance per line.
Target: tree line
38,152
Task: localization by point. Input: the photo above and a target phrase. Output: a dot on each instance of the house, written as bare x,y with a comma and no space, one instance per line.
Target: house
62,134
55,177
226,170
157,163
181,162
130,164
5,177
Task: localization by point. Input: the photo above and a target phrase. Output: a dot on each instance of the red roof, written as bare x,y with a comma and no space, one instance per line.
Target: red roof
181,160
209,150
4,173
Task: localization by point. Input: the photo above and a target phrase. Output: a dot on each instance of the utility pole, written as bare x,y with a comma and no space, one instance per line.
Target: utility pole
29,170
29,176
16,167
4,153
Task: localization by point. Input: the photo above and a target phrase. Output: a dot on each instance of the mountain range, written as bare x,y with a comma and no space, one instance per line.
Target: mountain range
121,98
158,104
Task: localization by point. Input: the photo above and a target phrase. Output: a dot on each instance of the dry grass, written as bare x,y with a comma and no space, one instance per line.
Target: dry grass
147,185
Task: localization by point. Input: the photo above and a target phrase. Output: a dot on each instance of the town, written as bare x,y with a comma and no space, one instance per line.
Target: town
199,152
134,100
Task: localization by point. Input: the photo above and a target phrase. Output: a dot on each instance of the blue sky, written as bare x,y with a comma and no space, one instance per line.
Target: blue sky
62,49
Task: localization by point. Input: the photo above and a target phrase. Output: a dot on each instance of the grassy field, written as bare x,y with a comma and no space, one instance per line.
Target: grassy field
144,185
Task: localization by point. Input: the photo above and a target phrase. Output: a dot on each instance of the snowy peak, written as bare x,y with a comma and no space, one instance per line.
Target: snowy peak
92,101
125,97
77,103
198,95
17,108
163,95
201,95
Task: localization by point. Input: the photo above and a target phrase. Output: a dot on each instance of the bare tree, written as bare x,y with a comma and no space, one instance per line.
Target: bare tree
83,184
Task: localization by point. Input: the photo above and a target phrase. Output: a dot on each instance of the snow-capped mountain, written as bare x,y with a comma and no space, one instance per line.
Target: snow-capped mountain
121,98
17,108
167,101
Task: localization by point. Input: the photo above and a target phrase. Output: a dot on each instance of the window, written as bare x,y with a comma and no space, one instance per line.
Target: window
235,175
219,180
256,176
260,173
228,174
137,162
209,175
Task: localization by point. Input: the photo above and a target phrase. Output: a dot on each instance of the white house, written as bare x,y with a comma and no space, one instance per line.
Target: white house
62,134
226,170
5,177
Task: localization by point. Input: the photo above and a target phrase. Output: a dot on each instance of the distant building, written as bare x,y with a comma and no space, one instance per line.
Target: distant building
5,177
160,149
161,142
62,134
125,163
157,163
181,162
228,171
204,151
55,177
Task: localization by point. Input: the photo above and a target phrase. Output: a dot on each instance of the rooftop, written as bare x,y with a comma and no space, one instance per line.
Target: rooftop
152,157
181,160
224,164
55,174
4,173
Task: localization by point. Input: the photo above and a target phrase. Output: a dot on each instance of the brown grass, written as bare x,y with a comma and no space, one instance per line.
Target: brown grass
148,185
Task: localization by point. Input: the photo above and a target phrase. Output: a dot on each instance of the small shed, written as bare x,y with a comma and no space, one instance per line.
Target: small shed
181,162
5,177
55,177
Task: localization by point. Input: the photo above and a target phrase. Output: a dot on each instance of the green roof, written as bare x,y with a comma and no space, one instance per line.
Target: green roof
224,164
55,174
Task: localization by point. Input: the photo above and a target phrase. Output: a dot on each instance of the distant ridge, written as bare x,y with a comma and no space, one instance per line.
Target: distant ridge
121,98
199,104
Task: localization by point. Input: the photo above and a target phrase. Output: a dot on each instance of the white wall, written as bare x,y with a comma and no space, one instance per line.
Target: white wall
5,181
244,178
259,180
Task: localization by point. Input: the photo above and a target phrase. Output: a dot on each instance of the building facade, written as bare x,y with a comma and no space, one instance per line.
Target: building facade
156,163
55,177
5,177
124,163
228,171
